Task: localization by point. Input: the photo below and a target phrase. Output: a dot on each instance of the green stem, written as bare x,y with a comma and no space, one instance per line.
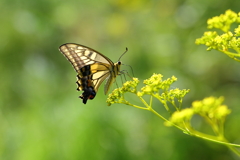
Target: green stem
144,108
156,113
231,55
174,105
144,102
163,102
234,150
212,138
149,107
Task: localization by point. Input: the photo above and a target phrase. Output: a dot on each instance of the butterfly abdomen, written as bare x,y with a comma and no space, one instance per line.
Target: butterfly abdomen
88,93
85,85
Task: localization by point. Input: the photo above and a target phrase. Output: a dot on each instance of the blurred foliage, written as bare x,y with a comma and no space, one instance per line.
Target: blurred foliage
41,116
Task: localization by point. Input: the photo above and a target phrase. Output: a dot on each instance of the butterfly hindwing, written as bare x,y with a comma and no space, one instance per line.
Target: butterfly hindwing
92,68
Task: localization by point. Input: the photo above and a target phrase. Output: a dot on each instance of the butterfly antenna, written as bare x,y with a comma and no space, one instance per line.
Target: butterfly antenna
123,54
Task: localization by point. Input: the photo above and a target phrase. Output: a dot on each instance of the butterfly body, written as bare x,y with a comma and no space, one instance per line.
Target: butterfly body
92,69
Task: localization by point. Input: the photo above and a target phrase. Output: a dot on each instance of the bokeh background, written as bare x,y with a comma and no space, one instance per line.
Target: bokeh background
41,116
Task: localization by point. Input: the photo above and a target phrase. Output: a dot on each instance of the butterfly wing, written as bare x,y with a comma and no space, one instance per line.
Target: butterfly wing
92,68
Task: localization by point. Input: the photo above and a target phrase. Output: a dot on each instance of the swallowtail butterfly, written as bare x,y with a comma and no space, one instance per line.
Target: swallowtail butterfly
92,69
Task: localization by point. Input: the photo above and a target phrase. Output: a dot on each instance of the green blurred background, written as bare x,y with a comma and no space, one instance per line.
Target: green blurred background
41,116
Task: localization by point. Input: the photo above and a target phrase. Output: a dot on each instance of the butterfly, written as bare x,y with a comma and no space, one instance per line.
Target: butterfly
92,69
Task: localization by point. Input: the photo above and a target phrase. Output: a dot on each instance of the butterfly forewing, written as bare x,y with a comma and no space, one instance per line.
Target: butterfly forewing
92,68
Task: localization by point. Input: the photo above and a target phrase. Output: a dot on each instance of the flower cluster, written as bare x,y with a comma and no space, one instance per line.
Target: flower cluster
155,86
181,117
117,96
224,21
155,83
228,42
210,108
